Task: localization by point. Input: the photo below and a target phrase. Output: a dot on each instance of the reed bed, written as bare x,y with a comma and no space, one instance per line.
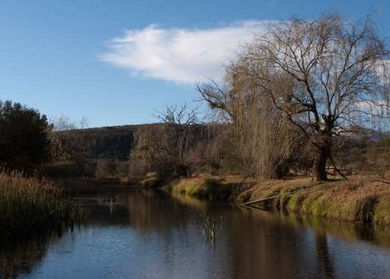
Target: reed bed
29,204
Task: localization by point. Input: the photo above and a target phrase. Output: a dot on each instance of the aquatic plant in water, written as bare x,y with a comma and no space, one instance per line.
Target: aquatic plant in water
112,205
210,226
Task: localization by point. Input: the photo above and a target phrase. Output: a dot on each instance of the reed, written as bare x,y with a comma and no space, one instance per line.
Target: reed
29,204
210,227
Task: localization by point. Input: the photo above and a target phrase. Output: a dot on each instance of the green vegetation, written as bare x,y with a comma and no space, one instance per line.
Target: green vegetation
28,204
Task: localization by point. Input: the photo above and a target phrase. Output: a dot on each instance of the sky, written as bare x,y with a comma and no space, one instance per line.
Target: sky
119,62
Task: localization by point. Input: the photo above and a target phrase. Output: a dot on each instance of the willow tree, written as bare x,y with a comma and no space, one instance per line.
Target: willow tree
323,75
260,137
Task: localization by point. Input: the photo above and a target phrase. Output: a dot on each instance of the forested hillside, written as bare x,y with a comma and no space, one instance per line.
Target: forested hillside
107,151
102,152
96,143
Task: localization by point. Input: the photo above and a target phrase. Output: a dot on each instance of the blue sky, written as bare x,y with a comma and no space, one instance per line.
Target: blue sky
117,62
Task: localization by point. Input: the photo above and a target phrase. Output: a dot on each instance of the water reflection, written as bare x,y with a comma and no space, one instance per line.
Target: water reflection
324,259
149,235
19,256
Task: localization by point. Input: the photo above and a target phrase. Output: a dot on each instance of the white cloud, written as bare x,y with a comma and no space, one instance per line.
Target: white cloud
383,70
180,55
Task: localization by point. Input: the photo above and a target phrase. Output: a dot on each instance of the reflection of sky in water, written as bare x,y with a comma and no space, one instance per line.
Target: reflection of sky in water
115,252
359,259
159,237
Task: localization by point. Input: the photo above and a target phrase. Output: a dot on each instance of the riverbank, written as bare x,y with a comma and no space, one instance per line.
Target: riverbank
227,188
29,204
360,199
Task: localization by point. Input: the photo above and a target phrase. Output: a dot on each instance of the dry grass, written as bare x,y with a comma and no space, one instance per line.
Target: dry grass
360,199
29,204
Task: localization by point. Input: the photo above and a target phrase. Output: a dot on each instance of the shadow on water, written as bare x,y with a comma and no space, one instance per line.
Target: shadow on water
152,235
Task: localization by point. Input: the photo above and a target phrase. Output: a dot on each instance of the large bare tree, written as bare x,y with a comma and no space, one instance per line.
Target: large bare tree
324,75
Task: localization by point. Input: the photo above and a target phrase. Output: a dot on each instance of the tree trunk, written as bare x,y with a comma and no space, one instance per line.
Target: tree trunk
320,160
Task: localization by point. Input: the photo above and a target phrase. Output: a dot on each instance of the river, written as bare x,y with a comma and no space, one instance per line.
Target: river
150,235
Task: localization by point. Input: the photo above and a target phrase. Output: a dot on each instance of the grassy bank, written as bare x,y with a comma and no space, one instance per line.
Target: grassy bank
211,187
29,204
360,199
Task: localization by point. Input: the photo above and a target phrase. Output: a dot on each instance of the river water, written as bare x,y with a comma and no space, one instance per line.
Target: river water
149,235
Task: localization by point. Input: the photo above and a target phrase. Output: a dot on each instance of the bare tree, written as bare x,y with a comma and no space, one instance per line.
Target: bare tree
84,123
64,123
171,148
321,74
180,127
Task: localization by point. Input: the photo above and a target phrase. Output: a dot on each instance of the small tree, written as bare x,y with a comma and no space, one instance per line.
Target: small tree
322,75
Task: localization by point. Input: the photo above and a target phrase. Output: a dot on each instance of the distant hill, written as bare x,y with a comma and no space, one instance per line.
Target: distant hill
113,142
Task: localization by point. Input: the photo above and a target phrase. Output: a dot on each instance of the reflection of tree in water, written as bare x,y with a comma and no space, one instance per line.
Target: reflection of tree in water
258,244
101,215
150,211
251,244
144,211
324,259
262,247
175,220
21,255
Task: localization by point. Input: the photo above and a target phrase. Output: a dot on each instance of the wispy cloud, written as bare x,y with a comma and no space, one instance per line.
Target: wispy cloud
180,55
